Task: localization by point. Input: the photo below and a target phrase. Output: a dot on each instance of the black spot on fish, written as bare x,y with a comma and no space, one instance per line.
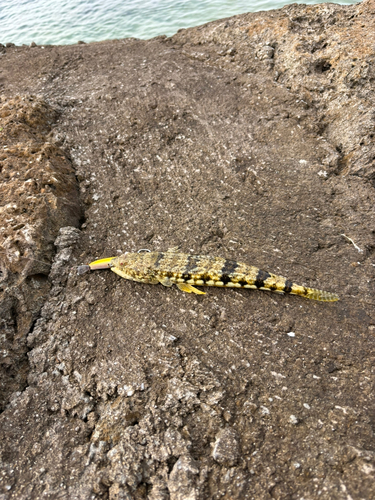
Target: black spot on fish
262,276
191,264
225,279
227,271
288,286
229,267
160,257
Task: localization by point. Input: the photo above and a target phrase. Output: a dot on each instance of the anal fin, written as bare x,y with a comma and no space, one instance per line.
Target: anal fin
189,289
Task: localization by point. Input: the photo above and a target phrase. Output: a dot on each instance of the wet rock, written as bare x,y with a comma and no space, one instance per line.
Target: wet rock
126,466
67,237
159,490
176,443
266,52
39,195
293,420
182,483
226,448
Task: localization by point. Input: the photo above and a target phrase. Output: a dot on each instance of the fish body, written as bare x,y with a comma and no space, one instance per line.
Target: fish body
185,270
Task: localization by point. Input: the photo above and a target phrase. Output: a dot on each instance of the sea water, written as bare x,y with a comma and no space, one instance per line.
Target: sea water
68,21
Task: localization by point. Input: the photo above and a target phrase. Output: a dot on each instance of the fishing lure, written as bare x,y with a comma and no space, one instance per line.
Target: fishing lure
185,270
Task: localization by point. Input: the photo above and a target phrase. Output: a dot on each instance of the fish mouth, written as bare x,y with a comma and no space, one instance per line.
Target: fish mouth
96,264
101,264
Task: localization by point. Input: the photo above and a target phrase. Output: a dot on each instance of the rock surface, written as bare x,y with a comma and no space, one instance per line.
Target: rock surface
39,194
249,138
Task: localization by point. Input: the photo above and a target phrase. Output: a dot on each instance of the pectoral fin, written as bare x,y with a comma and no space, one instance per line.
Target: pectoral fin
189,289
166,282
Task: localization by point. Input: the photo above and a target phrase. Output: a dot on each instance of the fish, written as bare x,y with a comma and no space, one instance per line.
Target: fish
187,271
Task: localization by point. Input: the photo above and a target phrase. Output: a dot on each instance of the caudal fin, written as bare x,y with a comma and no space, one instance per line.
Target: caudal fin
321,295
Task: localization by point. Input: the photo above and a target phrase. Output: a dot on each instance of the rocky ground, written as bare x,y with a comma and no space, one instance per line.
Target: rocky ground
249,138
